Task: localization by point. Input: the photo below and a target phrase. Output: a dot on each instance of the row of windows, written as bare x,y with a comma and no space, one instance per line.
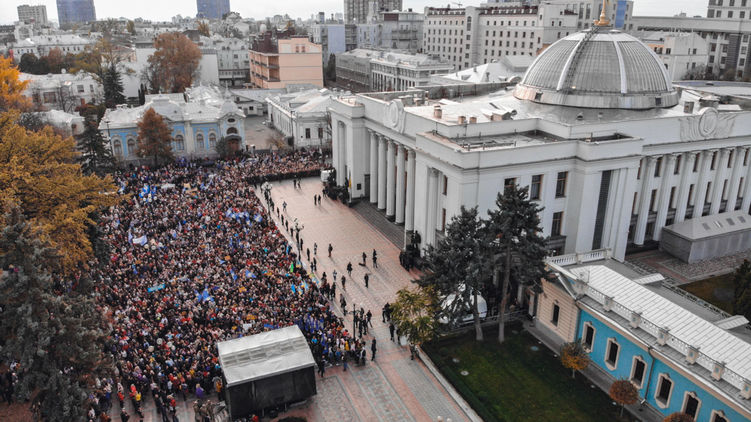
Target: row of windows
697,159
177,144
535,193
664,392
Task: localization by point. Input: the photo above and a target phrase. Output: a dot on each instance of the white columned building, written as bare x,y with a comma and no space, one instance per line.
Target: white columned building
595,129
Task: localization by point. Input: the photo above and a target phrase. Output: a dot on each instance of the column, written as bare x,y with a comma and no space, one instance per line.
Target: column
390,182
688,165
701,186
721,170
373,167
341,176
747,190
664,203
431,207
644,198
735,178
381,172
400,184
409,222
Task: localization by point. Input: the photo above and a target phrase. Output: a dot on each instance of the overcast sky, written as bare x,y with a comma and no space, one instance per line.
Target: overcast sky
164,9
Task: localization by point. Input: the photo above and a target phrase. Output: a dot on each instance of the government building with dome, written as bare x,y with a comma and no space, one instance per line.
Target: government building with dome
619,159
611,150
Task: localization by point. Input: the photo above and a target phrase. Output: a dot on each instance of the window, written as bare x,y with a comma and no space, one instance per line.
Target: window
638,369
691,404
611,354
445,185
320,133
131,146
555,228
199,141
307,133
556,313
117,146
708,195
653,200
696,162
232,131
81,89
443,220
671,204
509,182
212,140
560,185
714,159
535,188
718,416
658,166
677,168
664,390
589,336
49,97
179,144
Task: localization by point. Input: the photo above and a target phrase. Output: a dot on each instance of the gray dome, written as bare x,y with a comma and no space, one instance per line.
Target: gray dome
598,68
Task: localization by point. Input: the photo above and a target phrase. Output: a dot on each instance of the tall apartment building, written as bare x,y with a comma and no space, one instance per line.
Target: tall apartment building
75,11
334,38
358,11
212,9
729,9
467,37
396,30
32,14
283,62
383,70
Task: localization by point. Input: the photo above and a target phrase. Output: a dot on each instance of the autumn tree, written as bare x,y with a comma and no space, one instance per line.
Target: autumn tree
414,314
174,64
154,137
457,267
56,337
131,27
513,234
678,417
574,357
11,88
624,393
203,28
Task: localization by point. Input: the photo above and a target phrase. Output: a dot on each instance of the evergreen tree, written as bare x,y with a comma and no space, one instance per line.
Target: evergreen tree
458,266
513,234
113,87
55,337
96,156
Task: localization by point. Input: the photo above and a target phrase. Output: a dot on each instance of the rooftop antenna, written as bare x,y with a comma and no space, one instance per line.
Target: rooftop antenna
603,19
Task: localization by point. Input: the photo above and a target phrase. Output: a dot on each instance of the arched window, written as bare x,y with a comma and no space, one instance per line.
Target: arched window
132,146
179,143
199,141
212,140
117,148
232,131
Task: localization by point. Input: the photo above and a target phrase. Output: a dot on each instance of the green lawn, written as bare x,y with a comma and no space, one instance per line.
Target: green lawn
716,290
513,383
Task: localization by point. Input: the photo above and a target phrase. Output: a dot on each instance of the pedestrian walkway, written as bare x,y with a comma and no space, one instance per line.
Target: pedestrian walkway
393,387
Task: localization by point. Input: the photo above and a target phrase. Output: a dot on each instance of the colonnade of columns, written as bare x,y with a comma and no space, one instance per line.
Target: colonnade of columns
714,183
392,179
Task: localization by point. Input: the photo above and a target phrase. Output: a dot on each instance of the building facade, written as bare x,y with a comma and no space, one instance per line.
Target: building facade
365,69
681,356
286,62
602,139
212,9
196,127
41,45
32,14
75,11
682,53
359,11
334,38
62,92
302,117
467,37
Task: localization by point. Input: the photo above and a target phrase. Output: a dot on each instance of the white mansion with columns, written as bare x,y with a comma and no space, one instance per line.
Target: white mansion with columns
606,144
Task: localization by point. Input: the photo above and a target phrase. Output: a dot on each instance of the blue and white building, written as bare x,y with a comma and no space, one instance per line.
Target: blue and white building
196,126
681,354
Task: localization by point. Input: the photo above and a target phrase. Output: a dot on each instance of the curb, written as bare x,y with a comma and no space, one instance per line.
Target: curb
463,405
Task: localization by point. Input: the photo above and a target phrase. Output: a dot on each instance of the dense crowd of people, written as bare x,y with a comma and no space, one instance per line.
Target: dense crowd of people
196,259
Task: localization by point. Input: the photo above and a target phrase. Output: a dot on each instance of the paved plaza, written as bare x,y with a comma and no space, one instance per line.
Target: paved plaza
678,272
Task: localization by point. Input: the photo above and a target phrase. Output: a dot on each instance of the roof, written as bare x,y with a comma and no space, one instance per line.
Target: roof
263,355
398,57
43,40
497,71
54,80
685,327
176,111
599,69
309,101
711,225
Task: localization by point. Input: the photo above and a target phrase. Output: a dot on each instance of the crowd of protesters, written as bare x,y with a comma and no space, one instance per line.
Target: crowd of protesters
196,259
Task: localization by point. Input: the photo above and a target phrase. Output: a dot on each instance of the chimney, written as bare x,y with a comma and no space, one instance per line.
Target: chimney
461,120
437,112
472,119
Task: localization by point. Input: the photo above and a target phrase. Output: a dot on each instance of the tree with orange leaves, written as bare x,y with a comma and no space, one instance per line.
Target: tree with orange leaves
174,64
11,88
154,137
623,392
574,357
678,417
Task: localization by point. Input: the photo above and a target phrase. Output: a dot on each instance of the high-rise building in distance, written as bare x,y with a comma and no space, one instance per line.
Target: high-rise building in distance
35,14
74,11
357,11
212,9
